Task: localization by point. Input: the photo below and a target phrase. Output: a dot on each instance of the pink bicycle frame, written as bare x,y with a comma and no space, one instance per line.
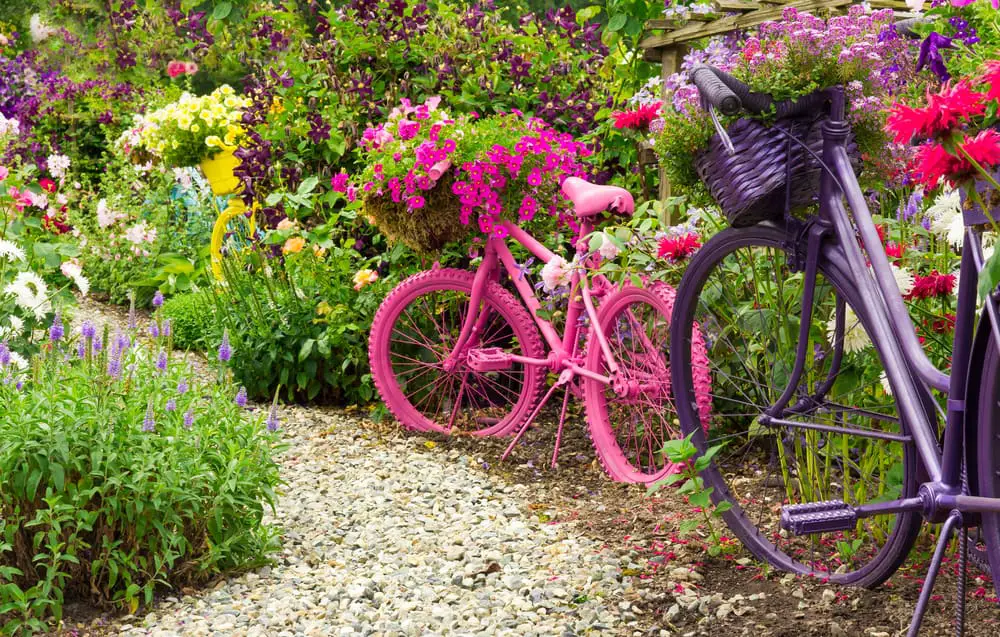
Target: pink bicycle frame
563,354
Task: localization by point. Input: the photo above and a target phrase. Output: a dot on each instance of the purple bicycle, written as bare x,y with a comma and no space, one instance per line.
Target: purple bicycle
832,456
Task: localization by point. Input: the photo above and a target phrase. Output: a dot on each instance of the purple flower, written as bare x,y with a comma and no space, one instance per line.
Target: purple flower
188,418
225,349
154,330
115,364
930,55
56,332
19,384
81,349
241,397
171,405
158,299
4,354
148,423
182,387
165,331
161,361
87,330
97,344
272,421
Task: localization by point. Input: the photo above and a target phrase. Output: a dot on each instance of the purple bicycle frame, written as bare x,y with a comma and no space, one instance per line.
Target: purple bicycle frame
910,372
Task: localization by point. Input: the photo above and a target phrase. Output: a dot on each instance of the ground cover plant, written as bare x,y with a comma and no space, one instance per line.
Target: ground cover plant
125,473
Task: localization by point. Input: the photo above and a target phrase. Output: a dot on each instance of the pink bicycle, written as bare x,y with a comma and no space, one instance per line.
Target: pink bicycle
455,352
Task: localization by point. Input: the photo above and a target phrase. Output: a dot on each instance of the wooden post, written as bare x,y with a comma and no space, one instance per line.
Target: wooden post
669,58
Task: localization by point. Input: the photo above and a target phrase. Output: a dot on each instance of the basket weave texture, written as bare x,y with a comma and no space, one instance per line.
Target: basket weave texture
749,184
425,230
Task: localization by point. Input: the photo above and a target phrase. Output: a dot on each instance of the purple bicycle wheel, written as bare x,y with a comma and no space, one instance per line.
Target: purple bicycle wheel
741,292
987,455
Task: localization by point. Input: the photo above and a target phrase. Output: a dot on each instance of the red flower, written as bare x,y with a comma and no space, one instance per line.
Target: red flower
895,250
933,285
47,184
639,118
677,248
54,225
991,78
935,163
952,105
944,325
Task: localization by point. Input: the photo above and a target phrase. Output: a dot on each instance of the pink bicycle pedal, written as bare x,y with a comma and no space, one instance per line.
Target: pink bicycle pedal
488,359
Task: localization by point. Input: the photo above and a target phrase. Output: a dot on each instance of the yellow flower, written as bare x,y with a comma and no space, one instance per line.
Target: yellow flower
364,277
323,308
195,128
213,141
319,251
293,245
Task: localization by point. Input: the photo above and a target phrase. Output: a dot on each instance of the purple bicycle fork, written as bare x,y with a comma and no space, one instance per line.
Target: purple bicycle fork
942,499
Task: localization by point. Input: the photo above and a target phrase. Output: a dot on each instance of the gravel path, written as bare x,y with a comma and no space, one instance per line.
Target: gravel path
385,535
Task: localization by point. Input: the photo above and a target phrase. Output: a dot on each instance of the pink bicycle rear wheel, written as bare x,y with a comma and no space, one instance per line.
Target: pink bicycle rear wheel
631,419
412,337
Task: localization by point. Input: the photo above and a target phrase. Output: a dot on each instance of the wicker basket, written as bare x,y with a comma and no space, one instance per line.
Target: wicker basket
749,184
425,230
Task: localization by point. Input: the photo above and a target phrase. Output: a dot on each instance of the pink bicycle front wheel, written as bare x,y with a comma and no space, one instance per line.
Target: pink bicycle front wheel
632,418
427,388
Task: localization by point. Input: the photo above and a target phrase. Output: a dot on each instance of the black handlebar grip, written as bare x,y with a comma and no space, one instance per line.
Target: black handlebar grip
714,92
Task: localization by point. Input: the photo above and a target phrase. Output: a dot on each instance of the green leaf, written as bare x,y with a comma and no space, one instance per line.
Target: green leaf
723,506
617,22
585,15
687,526
701,499
307,186
58,476
222,10
989,278
273,198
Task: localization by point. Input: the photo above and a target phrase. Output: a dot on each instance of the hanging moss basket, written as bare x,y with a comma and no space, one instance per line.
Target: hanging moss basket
425,230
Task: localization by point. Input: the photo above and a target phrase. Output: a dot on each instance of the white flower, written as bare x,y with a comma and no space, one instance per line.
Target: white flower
9,127
946,219
38,29
140,233
608,249
30,293
904,279
855,336
105,215
74,272
915,5
58,165
10,251
18,361
884,379
555,273
16,325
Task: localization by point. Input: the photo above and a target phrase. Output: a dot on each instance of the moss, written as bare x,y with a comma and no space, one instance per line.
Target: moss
425,230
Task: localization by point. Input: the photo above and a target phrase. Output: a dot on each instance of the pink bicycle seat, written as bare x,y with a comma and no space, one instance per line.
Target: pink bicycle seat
590,199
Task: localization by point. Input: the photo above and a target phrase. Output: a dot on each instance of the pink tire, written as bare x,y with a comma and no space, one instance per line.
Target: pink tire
414,332
631,419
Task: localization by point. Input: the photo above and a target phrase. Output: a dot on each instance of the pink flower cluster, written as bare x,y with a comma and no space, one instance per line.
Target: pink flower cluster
489,178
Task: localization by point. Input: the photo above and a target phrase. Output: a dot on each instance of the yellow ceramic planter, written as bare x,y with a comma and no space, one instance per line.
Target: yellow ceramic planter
218,171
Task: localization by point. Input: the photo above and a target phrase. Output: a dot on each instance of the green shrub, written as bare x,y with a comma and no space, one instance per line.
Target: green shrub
192,321
119,480
298,323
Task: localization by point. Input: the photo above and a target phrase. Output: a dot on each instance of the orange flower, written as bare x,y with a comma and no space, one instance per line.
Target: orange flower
286,224
293,245
319,251
364,277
